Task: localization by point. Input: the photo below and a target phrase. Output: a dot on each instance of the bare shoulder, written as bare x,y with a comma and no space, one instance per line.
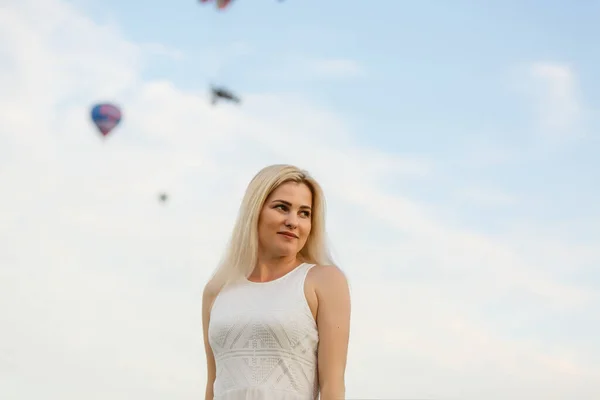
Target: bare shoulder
328,278
210,289
209,294
327,274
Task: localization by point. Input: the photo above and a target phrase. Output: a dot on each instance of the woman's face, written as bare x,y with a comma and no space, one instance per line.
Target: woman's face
285,220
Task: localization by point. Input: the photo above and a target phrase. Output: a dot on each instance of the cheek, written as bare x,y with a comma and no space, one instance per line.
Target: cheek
271,222
263,225
266,219
306,228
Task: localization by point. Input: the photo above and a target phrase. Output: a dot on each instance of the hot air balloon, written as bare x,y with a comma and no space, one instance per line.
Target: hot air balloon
221,4
106,116
222,93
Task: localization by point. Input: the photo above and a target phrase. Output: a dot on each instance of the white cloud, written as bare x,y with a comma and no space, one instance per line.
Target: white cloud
558,103
100,286
487,197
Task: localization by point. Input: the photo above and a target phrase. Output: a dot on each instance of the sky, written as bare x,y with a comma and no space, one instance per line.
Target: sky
456,143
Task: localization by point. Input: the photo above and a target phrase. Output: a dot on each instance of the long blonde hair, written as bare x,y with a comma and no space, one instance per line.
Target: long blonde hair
241,254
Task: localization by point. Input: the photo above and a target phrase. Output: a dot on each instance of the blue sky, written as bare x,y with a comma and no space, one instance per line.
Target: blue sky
440,80
457,145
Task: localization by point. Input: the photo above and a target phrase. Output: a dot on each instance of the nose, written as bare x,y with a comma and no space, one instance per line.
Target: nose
291,221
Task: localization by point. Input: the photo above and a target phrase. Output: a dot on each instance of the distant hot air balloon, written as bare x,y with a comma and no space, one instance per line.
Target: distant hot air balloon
221,4
106,116
221,92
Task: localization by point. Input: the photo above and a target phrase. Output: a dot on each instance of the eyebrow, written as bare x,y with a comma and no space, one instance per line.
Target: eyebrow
287,203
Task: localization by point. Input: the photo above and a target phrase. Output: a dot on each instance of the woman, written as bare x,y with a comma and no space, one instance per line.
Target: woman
276,313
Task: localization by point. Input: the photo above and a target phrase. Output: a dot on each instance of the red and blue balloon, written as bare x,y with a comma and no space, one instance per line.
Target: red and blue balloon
106,117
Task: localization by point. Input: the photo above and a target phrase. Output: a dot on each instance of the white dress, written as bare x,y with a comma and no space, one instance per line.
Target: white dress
264,339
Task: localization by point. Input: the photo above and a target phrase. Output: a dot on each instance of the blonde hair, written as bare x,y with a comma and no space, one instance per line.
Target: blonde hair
241,253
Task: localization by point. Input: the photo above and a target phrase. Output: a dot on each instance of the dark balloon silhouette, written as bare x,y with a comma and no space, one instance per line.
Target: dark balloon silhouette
222,93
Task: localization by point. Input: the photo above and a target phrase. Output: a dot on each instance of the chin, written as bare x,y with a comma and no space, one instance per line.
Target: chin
285,251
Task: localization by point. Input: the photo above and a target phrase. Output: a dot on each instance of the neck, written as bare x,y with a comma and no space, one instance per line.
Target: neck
268,268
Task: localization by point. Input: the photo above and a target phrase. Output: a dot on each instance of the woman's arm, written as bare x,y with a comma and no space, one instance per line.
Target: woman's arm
208,297
333,321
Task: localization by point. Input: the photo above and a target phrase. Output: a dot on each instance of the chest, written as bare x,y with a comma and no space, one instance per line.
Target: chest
260,322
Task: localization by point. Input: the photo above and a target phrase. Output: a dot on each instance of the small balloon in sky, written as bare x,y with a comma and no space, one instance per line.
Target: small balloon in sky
221,4
220,92
106,117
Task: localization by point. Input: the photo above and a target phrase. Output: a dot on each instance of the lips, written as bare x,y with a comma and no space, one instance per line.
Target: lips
288,234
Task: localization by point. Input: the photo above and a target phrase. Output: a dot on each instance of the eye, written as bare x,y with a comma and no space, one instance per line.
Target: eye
306,214
281,207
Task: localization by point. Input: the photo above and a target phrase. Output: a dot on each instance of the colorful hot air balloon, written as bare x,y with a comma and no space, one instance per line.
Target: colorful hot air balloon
221,4
106,116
